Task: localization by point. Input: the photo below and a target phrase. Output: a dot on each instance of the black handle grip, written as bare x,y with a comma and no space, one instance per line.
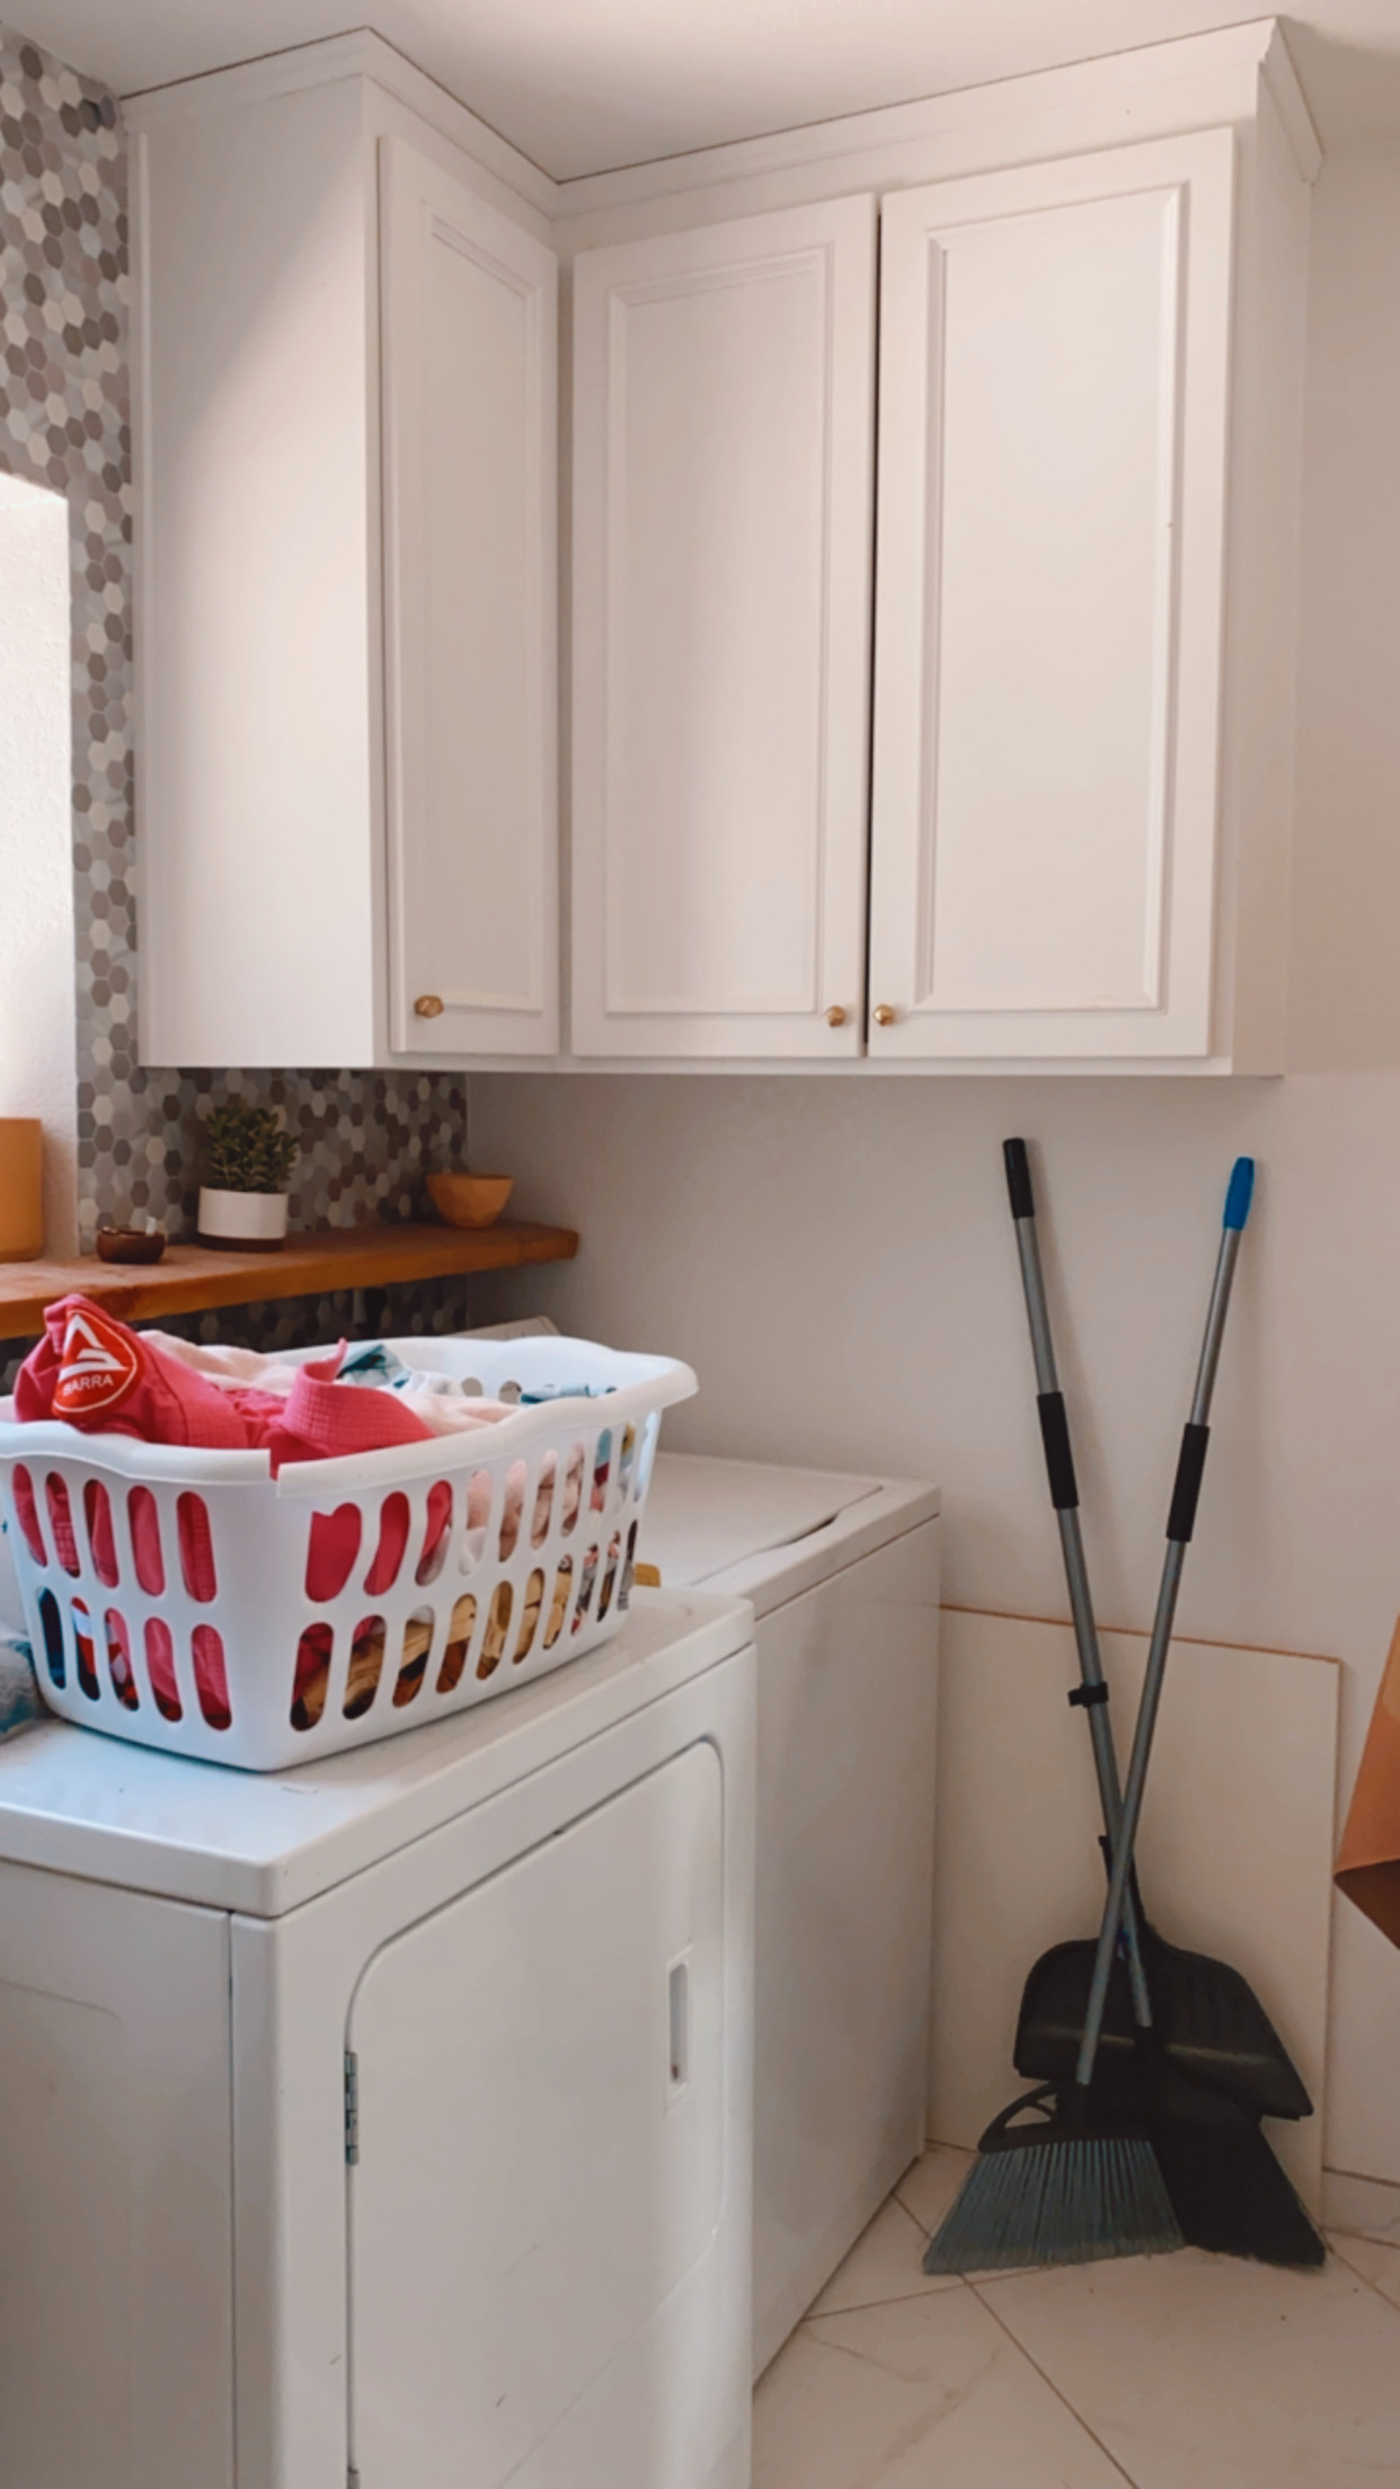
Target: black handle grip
1018,1179
1059,1460
1190,1468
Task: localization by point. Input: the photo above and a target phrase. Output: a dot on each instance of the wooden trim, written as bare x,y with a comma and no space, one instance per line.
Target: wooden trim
193,1278
1140,1633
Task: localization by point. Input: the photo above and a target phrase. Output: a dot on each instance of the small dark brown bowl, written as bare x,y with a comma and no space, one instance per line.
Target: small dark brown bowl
130,1244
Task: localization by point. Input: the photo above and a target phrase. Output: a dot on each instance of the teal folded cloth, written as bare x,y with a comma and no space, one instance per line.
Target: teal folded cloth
20,1703
373,1362
566,1391
378,1366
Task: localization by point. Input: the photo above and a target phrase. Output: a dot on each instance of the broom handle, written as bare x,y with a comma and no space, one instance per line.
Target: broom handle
1064,1495
1190,1468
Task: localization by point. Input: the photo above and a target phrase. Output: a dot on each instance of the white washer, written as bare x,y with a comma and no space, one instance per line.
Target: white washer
843,1575
390,2118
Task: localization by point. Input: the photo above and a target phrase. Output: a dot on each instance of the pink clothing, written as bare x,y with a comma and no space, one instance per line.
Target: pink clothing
95,1373
98,1375
235,1370
232,1369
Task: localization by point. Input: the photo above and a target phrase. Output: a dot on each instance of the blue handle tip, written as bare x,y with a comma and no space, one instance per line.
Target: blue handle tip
1237,1199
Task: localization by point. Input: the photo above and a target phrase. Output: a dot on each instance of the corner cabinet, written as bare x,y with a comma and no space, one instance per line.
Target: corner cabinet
347,450
723,474
1084,566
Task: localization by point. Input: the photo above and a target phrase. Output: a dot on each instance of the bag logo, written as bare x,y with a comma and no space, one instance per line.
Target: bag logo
100,1367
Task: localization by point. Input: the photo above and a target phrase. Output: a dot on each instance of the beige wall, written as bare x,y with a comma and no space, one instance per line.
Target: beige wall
835,1259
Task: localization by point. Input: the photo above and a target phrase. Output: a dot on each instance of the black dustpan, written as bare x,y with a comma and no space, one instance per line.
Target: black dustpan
1209,2024
1226,2189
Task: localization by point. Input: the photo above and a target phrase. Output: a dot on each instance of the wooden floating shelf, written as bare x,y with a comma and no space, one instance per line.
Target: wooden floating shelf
191,1279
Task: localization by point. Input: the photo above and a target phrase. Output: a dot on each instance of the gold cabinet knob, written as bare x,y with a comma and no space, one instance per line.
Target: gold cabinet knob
428,1006
884,1015
836,1016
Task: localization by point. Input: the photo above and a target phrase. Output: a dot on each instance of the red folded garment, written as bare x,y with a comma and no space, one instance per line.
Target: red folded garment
322,1420
103,1378
92,1371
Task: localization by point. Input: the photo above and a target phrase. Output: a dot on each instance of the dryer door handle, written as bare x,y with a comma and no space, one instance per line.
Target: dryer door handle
678,2028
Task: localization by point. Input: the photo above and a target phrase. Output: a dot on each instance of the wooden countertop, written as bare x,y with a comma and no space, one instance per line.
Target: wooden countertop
191,1278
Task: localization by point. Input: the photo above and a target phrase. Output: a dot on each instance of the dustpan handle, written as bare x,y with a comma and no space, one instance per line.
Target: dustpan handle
1064,1495
1181,1522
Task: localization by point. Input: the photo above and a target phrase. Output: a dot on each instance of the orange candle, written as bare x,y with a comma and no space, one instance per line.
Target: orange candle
21,1188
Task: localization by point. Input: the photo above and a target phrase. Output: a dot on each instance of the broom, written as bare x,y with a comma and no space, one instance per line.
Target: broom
1066,2175
1209,2023
1091,1693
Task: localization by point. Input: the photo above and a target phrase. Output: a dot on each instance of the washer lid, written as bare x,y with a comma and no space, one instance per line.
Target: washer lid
704,1515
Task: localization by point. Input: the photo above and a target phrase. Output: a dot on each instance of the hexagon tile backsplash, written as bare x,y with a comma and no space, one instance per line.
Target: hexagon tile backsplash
65,423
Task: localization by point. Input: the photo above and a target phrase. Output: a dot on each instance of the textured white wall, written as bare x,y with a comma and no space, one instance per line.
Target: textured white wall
835,1259
37,987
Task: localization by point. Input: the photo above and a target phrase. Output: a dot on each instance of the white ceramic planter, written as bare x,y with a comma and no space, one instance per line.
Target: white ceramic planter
249,1222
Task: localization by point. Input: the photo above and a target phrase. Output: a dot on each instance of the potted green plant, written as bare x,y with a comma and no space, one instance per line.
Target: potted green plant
248,1161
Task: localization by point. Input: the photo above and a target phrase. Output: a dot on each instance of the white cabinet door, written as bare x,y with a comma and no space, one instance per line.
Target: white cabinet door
470,356
541,2072
1053,426
724,404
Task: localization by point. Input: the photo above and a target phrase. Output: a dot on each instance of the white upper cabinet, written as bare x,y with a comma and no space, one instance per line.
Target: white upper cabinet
724,410
1084,569
470,460
346,626
1065,574
1054,430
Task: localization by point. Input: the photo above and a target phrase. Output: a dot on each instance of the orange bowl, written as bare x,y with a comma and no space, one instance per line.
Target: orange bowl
470,1200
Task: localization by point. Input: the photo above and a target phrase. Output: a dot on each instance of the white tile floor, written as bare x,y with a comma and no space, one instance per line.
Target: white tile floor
1166,2372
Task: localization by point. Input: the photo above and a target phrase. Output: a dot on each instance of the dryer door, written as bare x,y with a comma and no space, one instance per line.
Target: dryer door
541,2155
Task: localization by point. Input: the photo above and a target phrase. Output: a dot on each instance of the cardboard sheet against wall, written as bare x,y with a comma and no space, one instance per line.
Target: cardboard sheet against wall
1368,1867
1235,1852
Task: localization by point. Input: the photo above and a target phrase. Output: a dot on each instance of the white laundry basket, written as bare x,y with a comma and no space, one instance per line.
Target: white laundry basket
189,1600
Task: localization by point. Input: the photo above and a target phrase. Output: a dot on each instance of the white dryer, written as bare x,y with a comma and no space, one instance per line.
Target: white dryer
843,1574
389,2119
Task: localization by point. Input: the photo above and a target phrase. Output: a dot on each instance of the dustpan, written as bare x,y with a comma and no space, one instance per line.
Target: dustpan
1368,1866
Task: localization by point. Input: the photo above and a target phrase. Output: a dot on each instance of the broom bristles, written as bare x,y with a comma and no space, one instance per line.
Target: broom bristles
1228,2191
1057,2200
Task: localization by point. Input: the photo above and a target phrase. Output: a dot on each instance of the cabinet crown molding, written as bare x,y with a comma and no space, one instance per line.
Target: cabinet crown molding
1215,75
1161,89
359,55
